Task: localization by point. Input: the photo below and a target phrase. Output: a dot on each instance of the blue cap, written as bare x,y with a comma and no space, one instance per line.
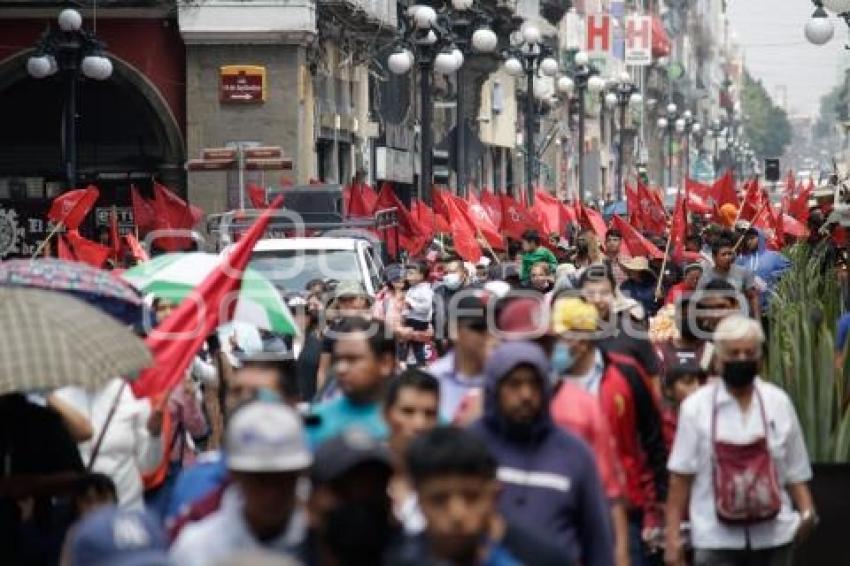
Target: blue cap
113,536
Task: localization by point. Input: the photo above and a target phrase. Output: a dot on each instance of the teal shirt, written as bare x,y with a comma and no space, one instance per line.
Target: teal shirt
339,414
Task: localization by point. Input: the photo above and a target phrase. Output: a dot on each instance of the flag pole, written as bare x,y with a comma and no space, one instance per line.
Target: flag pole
487,244
752,222
56,227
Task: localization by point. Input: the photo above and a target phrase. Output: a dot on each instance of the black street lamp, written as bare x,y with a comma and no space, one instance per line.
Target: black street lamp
623,93
687,125
716,133
667,126
427,39
582,79
531,58
69,51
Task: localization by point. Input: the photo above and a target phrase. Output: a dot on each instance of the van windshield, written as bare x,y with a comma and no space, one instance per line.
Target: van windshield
293,269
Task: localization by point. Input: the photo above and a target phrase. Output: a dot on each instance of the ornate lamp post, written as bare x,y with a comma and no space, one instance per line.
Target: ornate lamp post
622,94
428,41
687,125
531,58
582,79
69,51
667,126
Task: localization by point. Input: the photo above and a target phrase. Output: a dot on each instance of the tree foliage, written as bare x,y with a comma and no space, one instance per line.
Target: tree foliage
831,110
766,126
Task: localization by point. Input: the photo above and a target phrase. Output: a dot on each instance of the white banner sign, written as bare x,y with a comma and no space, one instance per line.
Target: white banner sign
639,40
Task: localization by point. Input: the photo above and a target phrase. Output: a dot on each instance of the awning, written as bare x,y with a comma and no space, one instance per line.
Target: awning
660,41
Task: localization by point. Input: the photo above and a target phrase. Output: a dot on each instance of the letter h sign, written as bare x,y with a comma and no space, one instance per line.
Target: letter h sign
598,33
638,40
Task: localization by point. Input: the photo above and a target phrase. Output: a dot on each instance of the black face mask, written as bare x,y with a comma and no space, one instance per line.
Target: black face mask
740,373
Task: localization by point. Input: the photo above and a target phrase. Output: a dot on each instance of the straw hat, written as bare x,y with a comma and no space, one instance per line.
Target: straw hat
638,263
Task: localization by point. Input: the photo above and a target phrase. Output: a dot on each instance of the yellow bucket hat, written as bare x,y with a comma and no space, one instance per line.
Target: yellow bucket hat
572,314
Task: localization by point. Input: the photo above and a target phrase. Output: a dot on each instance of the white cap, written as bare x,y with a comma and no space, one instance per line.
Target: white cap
266,437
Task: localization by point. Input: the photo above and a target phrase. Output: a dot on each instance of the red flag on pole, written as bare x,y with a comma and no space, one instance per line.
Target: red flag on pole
702,190
427,218
84,250
651,210
257,196
679,230
798,207
633,206
493,206
481,220
144,214
552,214
516,218
114,237
464,236
634,242
135,247
178,338
412,237
362,200
723,190
72,207
590,218
172,213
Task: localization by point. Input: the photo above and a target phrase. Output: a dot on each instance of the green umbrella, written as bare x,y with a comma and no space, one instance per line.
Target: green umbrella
174,276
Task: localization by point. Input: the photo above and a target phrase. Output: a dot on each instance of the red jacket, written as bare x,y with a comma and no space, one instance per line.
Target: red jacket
632,407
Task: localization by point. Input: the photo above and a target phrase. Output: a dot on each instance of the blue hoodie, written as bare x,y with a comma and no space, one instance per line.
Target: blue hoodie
766,264
549,477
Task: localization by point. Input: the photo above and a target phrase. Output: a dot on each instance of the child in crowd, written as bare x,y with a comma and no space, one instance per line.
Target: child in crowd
419,304
680,381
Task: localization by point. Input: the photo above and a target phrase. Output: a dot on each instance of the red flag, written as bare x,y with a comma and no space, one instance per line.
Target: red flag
114,237
136,248
590,218
790,183
172,213
703,191
634,242
723,190
411,236
493,206
798,207
176,340
697,205
426,217
553,215
754,199
463,234
633,206
516,218
144,214
794,227
257,196
84,250
679,230
63,250
362,200
481,220
71,208
651,210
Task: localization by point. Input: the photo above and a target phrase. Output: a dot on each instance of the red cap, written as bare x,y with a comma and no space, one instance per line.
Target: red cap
525,318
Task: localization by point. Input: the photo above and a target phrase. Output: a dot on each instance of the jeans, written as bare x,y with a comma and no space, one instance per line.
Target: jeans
637,549
418,347
776,556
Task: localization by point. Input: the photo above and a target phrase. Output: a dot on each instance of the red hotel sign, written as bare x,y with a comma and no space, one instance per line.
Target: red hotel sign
242,84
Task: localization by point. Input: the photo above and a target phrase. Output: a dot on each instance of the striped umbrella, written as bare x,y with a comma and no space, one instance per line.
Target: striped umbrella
174,276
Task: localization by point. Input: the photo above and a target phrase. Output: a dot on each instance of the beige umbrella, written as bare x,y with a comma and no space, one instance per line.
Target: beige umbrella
51,339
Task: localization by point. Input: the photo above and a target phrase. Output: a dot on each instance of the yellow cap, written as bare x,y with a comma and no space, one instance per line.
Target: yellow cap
572,314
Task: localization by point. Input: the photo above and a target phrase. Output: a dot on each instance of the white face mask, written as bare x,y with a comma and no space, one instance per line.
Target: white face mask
451,280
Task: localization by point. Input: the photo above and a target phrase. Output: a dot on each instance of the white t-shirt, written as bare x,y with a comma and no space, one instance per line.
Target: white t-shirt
692,454
127,449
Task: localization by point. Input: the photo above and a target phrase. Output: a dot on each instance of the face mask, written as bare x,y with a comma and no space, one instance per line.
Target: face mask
452,281
740,373
562,358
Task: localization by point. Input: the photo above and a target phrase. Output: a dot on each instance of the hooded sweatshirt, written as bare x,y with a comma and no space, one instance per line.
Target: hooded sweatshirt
765,264
550,482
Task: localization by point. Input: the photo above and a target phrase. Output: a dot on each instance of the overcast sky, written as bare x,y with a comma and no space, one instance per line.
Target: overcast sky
771,32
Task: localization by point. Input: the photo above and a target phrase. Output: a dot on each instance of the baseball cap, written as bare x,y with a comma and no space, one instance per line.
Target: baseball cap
342,453
471,312
113,536
572,314
350,288
266,437
524,318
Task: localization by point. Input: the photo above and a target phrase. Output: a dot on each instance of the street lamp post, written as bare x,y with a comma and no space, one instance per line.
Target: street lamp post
667,125
69,51
530,59
687,125
622,94
584,78
427,39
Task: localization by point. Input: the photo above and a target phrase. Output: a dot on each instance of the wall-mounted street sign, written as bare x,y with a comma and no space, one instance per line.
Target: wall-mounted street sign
242,84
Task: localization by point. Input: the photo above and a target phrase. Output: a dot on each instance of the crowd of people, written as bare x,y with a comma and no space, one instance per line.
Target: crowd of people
517,411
